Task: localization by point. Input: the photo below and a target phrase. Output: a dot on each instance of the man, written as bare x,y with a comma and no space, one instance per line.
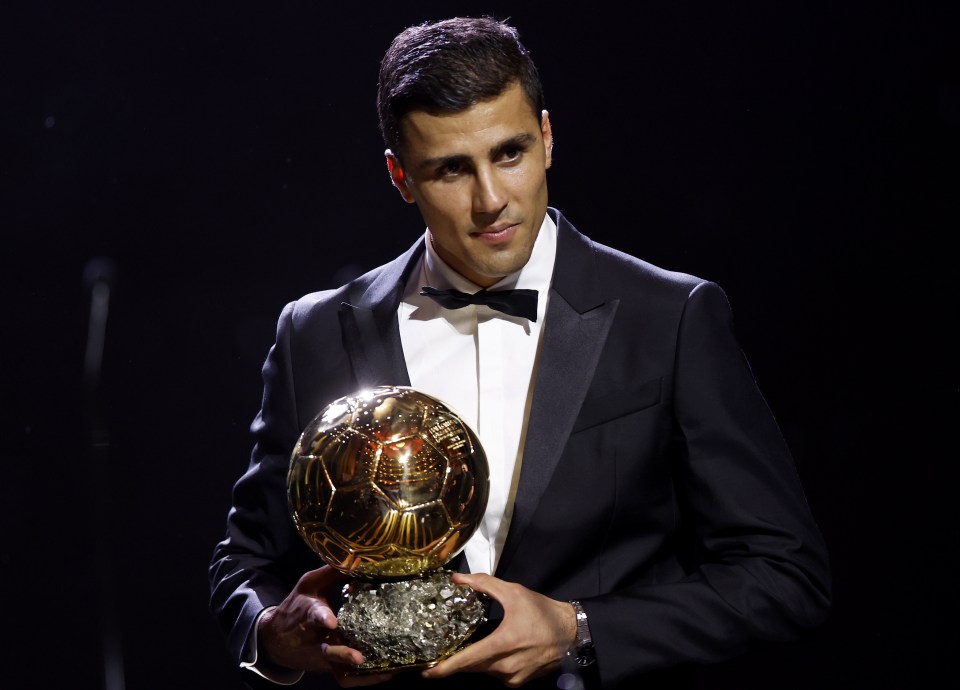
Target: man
644,510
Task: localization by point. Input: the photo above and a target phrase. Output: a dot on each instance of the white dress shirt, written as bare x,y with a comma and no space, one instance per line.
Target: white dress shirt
482,364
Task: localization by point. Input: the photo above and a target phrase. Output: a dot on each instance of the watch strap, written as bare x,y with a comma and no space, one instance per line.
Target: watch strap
583,650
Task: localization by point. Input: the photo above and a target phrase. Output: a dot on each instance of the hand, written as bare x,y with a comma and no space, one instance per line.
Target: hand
533,637
301,633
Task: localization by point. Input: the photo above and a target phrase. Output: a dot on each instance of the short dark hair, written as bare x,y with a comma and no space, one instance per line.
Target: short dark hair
450,65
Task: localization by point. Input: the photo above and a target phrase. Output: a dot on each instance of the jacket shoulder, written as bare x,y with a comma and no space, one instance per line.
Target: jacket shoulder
623,275
619,265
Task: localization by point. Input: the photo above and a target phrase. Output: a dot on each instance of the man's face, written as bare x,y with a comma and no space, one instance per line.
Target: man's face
479,179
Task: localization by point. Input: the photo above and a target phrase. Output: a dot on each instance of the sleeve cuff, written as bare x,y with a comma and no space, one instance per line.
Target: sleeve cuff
272,672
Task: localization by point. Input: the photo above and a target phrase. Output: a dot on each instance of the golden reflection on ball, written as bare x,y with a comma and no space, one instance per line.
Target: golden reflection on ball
388,482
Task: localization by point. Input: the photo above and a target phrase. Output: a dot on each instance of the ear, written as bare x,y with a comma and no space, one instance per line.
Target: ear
398,176
547,134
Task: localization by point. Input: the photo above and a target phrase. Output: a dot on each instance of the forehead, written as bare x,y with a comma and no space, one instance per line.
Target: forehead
470,132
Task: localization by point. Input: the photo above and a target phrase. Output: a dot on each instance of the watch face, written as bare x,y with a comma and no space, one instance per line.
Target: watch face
585,654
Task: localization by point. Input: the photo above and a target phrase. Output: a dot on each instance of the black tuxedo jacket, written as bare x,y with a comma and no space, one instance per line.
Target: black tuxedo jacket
656,486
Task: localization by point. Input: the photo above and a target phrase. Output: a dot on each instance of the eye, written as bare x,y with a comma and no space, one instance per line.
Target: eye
511,153
450,169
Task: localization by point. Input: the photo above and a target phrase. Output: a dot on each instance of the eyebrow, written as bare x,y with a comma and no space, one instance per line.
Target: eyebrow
520,141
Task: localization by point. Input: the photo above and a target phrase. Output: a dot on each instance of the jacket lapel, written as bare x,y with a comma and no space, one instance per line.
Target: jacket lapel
576,326
575,329
369,321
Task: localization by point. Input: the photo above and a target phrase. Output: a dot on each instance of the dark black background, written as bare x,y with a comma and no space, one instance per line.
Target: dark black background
224,156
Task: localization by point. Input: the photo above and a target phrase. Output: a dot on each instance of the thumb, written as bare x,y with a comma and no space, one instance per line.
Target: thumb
317,582
481,582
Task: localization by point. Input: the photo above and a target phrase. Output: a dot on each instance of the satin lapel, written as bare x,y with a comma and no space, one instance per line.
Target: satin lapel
371,333
575,330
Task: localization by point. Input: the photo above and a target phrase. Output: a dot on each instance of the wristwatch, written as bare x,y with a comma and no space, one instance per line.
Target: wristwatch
582,651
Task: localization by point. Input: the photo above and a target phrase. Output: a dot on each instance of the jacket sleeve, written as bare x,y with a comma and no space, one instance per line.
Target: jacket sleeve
760,570
250,569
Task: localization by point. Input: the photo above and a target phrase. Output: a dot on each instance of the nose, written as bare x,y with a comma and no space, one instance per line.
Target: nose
489,196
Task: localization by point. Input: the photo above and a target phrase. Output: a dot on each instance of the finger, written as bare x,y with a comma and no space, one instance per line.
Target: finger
479,581
340,654
471,657
320,614
320,580
487,584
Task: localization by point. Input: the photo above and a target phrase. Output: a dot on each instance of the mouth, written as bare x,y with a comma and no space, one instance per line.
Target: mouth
496,234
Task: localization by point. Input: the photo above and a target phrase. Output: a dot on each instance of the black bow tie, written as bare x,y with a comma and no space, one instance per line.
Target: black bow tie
514,302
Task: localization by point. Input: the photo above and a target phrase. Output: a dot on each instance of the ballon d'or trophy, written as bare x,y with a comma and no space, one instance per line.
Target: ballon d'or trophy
387,485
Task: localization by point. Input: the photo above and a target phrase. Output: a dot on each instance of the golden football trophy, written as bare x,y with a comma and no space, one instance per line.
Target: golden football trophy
387,485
